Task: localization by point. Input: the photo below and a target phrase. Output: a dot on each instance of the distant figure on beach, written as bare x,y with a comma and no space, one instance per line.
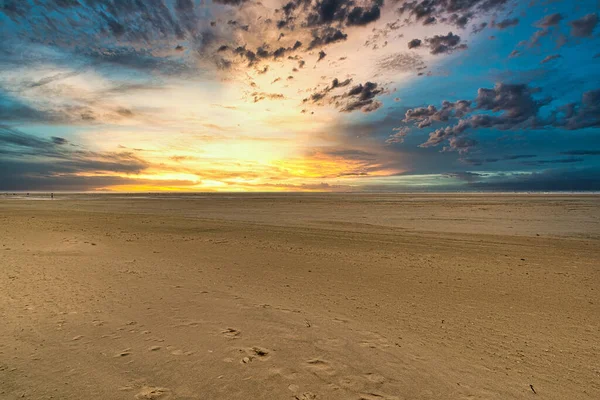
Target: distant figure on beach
51,195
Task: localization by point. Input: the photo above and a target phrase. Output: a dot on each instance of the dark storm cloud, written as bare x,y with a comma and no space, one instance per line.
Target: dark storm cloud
584,26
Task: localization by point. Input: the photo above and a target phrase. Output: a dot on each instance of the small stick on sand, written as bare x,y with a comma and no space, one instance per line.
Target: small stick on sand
532,389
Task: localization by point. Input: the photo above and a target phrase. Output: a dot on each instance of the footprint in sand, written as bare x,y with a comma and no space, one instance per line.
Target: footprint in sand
374,341
258,353
231,333
306,396
319,366
153,393
375,378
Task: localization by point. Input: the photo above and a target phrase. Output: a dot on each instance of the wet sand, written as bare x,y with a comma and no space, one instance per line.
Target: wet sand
300,297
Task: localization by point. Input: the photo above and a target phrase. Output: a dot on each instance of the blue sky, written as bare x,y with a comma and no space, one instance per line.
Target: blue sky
301,95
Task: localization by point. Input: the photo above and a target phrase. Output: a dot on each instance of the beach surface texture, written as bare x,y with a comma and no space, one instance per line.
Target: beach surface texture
256,296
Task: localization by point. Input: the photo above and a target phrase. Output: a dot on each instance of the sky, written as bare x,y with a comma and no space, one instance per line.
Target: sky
300,95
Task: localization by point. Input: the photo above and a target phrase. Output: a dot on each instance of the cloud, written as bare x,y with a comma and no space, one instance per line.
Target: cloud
325,12
461,144
480,27
364,16
425,116
231,2
361,97
401,62
33,157
481,161
142,60
550,58
581,153
59,140
584,27
573,179
466,176
506,23
513,105
444,44
259,96
320,95
515,101
399,136
556,161
581,179
458,13
584,114
413,44
537,36
514,54
325,36
13,109
549,20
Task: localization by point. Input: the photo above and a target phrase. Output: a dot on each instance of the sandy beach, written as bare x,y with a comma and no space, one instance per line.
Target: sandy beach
374,297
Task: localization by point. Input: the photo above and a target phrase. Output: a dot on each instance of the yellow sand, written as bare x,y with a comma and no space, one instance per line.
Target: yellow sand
300,297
